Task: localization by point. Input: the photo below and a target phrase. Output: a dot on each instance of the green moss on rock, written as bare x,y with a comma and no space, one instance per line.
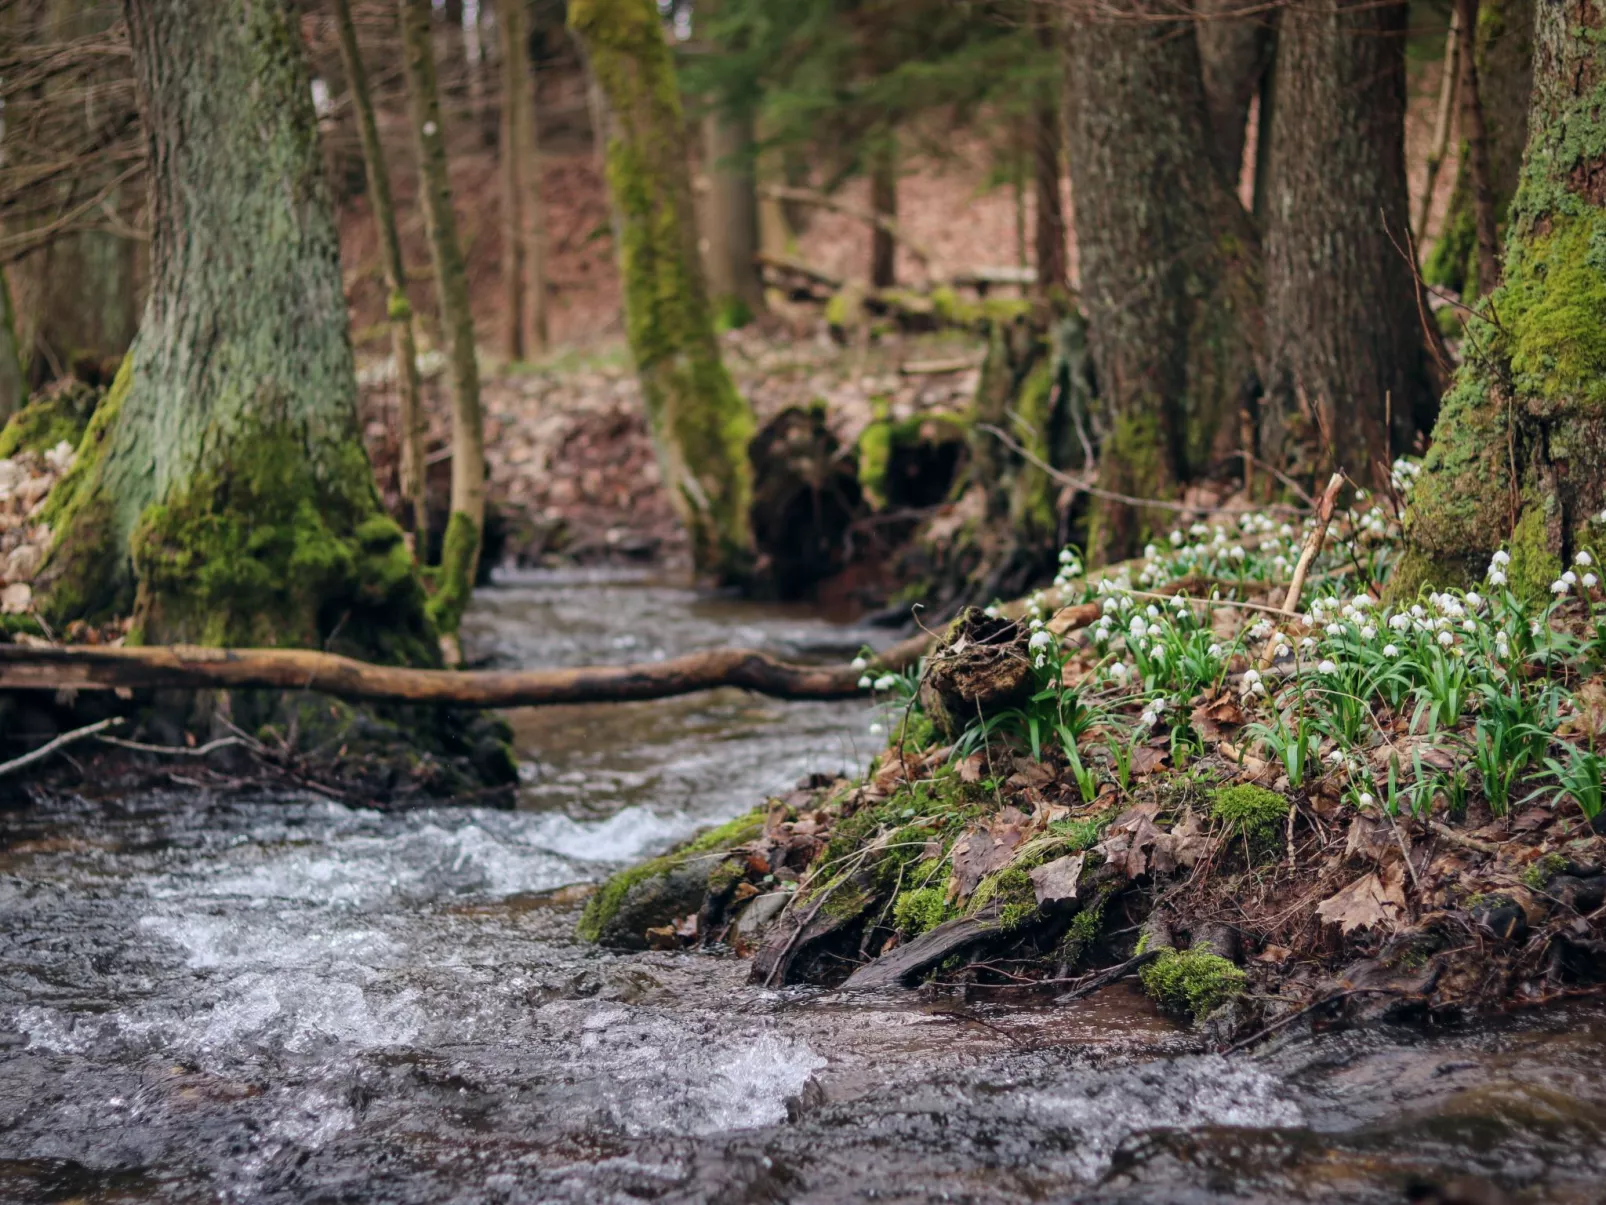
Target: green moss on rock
1191,983
1249,811
919,910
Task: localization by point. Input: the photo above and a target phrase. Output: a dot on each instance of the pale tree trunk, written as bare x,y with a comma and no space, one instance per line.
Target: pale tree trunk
1503,59
13,389
222,488
1519,454
460,550
1167,264
701,426
734,284
1346,349
884,203
1235,52
398,309
76,298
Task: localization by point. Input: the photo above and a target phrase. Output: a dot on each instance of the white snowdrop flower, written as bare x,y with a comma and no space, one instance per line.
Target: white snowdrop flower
1151,551
860,663
1110,605
1588,580
1215,650
1148,720
1258,688
1559,586
1334,629
1583,559
1040,640
1496,578
1365,799
1199,530
1138,627
877,729
1251,676
1446,639
1440,624
1152,611
1570,578
1501,558
1236,552
1391,650
1400,623
1118,671
1336,757
1474,600
1308,643
1035,624
1368,632
1041,661
1417,612
886,682
1326,667
1349,612
866,682
1159,653
991,612
1067,556
1176,539
1469,625
1422,625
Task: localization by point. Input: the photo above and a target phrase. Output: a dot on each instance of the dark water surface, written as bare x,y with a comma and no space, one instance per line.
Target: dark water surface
286,1000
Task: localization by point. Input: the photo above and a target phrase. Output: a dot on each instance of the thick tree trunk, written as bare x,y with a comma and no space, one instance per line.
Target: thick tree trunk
701,425
1167,265
13,389
403,344
1504,62
1048,140
1345,346
734,283
222,488
524,281
1475,131
77,297
1520,451
1235,52
460,551
884,204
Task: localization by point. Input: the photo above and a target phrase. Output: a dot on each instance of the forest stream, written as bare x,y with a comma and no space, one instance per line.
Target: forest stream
283,999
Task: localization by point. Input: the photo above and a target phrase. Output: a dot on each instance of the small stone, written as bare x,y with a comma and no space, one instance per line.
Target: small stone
16,598
23,563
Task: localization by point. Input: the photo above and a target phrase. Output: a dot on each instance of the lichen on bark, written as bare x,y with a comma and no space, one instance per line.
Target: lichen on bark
701,425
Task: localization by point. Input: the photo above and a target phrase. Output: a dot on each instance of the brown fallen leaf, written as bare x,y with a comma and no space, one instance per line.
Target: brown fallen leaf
1146,759
973,768
1129,837
1218,717
1056,880
1274,954
1183,846
1373,901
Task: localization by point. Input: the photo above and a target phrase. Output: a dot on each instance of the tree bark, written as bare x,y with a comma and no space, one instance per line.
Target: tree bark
13,389
701,426
399,310
1479,168
1504,58
222,488
1167,264
1235,53
884,204
1519,455
1346,353
1048,139
734,283
460,551
524,281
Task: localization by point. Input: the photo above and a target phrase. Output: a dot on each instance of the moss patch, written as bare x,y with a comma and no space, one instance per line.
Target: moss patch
1191,983
1249,811
58,417
917,911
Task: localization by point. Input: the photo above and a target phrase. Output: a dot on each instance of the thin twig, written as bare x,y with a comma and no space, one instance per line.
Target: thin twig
1105,978
222,742
61,742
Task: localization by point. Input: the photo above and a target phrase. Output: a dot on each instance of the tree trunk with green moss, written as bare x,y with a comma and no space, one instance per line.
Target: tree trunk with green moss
1168,265
1505,61
404,347
1519,454
222,491
701,426
460,551
1346,352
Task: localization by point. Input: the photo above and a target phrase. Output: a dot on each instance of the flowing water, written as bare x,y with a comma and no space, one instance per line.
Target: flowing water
282,999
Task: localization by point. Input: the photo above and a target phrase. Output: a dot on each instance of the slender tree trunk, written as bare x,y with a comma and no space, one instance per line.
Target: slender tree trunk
1235,53
222,488
1167,264
1504,59
1048,139
515,147
734,283
1345,345
398,309
1449,85
460,551
517,59
1479,169
1519,455
13,389
884,202
76,298
701,425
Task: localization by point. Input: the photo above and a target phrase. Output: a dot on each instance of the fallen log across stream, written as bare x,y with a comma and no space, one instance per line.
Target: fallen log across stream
190,667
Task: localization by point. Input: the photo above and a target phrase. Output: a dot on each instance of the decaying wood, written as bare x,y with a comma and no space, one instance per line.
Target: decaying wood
901,964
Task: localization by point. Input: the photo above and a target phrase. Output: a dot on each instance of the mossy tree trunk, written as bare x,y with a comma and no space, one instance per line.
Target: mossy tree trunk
701,426
1346,352
222,490
403,343
1504,60
1167,264
1520,450
460,551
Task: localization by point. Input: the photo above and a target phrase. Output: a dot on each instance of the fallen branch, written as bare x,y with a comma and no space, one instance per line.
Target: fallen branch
1105,978
820,200
61,742
787,263
1461,839
1307,556
222,742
